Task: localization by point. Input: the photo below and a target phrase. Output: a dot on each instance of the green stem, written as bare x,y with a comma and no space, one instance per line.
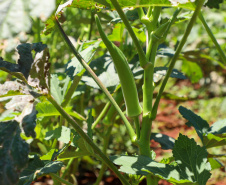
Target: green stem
95,148
71,90
137,125
58,178
177,53
67,168
214,40
97,80
154,17
91,25
140,51
101,115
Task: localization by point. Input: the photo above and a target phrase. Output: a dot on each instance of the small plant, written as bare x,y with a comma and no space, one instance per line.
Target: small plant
43,101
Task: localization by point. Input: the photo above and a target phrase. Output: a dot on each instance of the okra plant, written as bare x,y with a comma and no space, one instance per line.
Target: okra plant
49,130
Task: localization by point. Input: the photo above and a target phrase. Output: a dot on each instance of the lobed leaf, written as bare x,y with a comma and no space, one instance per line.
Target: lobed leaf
38,168
201,126
191,160
13,152
165,141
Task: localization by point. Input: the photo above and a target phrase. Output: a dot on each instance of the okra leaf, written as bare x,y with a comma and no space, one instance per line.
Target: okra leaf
62,134
165,141
192,160
105,70
191,165
143,165
12,88
215,163
38,168
214,3
14,18
46,109
72,154
216,135
28,119
34,72
55,89
74,67
218,127
192,70
201,126
211,140
161,71
13,152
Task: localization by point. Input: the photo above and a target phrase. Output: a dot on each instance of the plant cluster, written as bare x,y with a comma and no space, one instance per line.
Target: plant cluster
49,124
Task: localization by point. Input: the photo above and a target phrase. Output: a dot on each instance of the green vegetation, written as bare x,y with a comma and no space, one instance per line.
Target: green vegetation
88,81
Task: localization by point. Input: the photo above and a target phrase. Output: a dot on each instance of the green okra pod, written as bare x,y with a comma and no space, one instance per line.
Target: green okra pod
125,75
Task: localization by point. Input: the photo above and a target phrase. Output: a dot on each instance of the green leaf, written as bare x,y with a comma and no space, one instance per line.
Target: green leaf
143,165
192,70
14,17
211,140
38,168
12,88
214,3
74,67
62,134
159,72
165,141
13,152
72,154
218,127
46,109
192,160
215,163
55,89
201,126
105,70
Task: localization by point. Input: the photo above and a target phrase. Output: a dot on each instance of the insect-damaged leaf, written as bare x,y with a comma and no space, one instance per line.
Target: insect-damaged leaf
34,72
13,152
38,168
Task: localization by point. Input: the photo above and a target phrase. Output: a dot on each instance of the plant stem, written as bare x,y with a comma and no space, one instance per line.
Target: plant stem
58,178
137,125
91,25
101,115
95,148
214,40
71,90
174,59
97,80
140,51
67,167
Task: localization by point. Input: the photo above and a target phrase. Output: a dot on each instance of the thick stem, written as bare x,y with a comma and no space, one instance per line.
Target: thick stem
214,40
95,148
140,51
174,59
97,80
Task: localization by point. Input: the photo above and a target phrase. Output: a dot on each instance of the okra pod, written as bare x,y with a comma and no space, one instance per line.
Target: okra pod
125,74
